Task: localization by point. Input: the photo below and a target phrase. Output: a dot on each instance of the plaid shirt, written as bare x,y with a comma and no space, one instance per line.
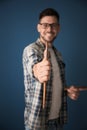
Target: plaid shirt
33,114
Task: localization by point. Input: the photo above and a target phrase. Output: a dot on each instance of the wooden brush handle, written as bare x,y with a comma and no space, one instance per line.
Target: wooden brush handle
82,88
44,94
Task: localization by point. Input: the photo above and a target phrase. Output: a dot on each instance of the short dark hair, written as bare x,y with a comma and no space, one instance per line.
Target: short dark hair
49,12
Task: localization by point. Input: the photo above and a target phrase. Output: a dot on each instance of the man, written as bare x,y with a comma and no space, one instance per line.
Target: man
38,70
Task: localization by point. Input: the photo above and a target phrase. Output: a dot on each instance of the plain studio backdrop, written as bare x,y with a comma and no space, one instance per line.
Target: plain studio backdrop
18,20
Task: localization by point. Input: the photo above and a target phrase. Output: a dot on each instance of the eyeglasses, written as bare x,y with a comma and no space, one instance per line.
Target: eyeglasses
46,25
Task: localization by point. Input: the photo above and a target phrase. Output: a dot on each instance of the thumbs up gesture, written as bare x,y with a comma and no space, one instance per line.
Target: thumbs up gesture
42,69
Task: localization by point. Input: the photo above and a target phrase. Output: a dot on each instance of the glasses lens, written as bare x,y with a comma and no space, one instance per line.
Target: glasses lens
46,25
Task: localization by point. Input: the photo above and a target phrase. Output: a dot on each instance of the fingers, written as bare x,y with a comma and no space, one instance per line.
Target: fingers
42,71
73,92
73,89
43,79
74,96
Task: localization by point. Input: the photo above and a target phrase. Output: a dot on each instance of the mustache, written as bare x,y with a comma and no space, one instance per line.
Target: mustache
50,32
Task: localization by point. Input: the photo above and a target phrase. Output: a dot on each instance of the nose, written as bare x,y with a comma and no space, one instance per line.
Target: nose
49,27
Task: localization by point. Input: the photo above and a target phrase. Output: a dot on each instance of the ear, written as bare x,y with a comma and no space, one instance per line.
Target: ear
38,27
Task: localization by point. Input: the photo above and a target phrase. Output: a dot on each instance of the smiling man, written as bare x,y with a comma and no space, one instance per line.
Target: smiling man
51,70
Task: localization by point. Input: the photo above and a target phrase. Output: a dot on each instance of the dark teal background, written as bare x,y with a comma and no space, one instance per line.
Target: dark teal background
18,20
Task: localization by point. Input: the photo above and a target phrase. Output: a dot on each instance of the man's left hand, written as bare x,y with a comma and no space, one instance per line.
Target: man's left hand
73,92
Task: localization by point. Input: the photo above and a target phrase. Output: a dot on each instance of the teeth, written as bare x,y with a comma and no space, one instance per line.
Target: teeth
49,34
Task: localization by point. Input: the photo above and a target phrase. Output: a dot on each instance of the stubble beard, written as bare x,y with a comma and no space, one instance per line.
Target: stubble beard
49,41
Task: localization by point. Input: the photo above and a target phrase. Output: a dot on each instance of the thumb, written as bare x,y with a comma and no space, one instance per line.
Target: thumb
45,54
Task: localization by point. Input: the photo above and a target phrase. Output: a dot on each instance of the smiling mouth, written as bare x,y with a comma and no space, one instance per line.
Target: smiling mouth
49,34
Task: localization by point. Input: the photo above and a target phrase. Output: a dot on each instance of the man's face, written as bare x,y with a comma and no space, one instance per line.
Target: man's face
48,28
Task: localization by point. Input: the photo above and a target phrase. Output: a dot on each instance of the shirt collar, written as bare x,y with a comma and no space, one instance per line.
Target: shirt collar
40,43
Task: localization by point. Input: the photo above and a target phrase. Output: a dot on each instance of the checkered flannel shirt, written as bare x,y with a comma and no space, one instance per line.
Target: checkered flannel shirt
33,113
